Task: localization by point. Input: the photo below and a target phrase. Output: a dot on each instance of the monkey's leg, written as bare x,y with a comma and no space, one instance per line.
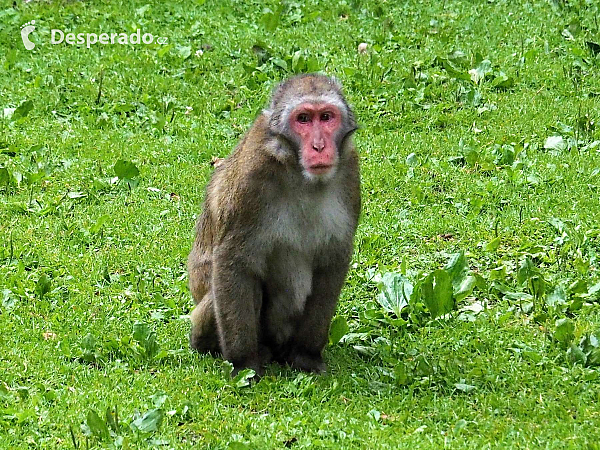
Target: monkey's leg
313,328
237,297
203,336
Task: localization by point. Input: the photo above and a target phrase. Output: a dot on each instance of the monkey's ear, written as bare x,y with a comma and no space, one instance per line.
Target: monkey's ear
349,132
352,125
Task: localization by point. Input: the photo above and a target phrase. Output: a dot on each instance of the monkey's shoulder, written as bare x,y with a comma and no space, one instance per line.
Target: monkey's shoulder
235,197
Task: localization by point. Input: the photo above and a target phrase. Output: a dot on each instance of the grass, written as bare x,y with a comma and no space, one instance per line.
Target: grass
456,100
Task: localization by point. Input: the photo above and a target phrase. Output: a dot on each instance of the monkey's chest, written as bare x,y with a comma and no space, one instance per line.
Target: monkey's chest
307,229
299,239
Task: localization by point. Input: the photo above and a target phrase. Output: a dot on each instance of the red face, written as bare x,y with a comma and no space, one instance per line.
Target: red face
316,124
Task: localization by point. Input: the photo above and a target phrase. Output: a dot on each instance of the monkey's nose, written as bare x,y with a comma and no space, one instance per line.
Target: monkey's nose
319,145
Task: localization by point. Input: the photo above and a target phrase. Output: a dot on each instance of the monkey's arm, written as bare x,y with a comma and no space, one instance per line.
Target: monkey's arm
312,333
237,297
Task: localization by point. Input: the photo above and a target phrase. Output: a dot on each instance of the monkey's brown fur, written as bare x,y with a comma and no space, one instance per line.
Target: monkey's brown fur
273,247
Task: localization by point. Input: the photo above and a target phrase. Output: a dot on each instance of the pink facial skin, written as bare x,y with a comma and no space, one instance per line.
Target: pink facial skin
316,124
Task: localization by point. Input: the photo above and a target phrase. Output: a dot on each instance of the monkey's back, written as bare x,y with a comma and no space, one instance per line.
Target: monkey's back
231,197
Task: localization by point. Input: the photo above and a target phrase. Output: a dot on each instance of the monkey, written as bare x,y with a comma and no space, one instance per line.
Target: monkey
274,241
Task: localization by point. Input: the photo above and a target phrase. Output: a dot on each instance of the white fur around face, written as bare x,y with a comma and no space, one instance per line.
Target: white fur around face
314,178
313,99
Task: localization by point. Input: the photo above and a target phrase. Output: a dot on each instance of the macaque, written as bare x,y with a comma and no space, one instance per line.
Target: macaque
275,237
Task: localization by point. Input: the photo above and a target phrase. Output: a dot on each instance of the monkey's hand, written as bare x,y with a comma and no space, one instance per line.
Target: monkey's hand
265,358
257,368
307,362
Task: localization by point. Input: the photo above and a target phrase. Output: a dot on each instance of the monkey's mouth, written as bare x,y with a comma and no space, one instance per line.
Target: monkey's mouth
320,169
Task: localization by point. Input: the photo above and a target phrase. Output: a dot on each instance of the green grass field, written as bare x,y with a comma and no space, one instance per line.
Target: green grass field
480,154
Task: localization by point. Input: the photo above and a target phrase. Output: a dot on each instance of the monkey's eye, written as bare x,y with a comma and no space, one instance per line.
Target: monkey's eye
326,116
303,118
